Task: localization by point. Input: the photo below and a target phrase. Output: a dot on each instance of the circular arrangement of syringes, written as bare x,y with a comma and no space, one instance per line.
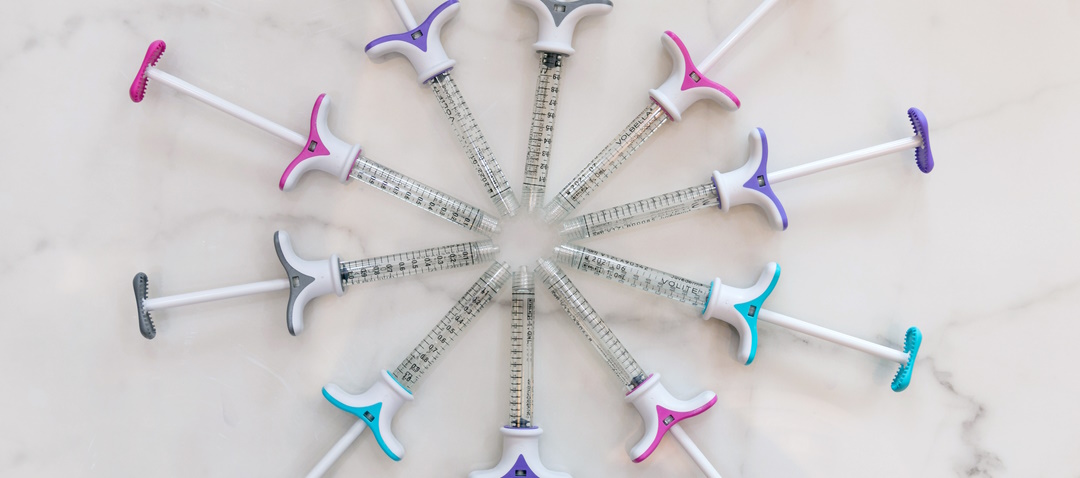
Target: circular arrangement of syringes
742,308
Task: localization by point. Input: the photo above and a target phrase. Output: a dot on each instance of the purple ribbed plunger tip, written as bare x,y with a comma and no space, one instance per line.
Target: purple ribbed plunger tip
923,156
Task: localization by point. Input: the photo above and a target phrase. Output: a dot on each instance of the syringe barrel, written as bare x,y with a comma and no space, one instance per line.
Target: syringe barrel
417,262
640,212
592,326
604,164
443,336
541,130
423,196
634,275
473,142
522,310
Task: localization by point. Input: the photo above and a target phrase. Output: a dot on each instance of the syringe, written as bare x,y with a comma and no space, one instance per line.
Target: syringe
376,407
557,18
322,151
522,330
750,184
422,46
686,85
660,410
306,280
521,447
742,308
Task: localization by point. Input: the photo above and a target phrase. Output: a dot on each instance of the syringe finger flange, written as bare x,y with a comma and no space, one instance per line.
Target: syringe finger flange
307,280
687,84
661,411
750,183
558,19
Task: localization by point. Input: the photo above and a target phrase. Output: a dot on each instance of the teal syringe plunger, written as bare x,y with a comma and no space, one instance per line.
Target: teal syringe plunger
742,308
376,407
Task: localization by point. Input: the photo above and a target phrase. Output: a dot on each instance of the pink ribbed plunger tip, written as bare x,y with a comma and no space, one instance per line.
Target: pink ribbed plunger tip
138,87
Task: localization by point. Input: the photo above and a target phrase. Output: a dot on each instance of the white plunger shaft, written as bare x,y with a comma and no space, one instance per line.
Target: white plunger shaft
337,450
215,101
845,159
694,452
158,303
405,14
736,35
833,336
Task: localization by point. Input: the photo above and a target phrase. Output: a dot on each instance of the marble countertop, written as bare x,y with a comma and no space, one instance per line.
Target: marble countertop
96,188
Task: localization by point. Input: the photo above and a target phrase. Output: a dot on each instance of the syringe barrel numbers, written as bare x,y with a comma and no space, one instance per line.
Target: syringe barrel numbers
418,194
523,305
452,325
592,326
641,212
542,129
639,130
604,165
473,142
633,274
409,263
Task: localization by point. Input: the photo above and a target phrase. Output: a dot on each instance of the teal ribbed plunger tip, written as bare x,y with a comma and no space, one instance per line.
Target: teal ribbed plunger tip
912,342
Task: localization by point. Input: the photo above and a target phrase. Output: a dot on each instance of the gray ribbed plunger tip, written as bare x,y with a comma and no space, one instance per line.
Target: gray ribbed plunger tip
141,284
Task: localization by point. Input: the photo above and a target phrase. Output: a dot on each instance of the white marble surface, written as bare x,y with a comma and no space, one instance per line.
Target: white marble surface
980,254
